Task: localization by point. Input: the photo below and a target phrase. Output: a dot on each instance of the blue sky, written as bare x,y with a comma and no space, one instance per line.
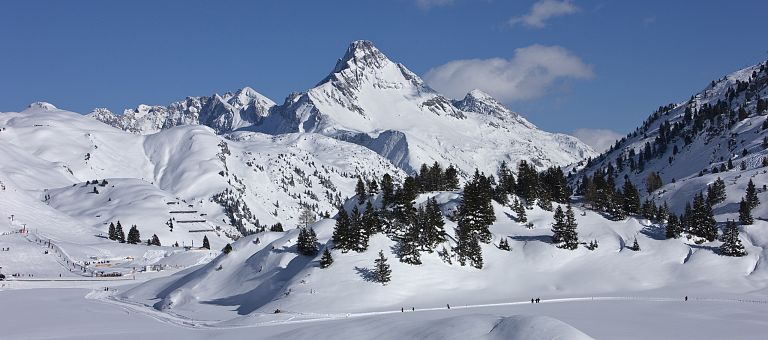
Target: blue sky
565,65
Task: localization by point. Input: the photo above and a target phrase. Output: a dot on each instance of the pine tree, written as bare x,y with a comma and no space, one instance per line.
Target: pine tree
520,211
731,243
476,209
277,227
112,233
307,242
673,229
134,237
751,196
341,234
631,198
745,213
635,246
155,240
504,244
371,221
360,191
558,227
358,234
467,246
429,223
381,271
387,190
409,246
571,236
451,178
326,260
119,233
206,244
716,192
227,249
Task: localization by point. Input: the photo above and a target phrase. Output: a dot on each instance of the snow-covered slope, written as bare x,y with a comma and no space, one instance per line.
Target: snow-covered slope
691,144
265,272
223,113
67,177
369,100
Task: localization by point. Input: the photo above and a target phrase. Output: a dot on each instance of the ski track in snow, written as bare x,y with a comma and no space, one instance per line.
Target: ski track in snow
299,317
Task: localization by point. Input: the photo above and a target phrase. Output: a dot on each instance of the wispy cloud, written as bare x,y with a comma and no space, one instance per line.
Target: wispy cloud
427,4
599,139
649,20
527,75
543,10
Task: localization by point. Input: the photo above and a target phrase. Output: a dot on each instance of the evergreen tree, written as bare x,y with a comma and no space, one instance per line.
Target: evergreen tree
341,234
307,242
558,227
476,209
504,244
519,210
119,233
451,179
358,234
745,213
467,246
381,271
701,220
635,246
731,243
673,229
434,225
112,233
360,191
631,198
277,227
326,260
387,190
564,233
571,236
751,197
227,249
527,183
371,221
716,192
206,244
155,240
409,246
134,237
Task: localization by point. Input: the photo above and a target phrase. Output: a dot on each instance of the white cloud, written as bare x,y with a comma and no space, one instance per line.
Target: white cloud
543,10
427,4
599,139
527,75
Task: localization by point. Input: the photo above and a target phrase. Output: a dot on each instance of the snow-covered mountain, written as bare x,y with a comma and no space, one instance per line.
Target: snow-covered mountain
372,101
223,113
247,181
721,131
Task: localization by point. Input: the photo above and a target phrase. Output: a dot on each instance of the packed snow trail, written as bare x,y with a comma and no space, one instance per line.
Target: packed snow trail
298,317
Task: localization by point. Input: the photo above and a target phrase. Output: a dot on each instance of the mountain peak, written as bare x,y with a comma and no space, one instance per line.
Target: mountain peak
361,53
479,95
42,106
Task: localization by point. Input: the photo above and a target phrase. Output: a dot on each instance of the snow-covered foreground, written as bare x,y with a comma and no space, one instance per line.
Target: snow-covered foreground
68,314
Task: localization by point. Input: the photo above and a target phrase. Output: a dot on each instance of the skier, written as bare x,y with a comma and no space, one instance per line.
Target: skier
413,309
531,300
402,310
447,305
686,298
